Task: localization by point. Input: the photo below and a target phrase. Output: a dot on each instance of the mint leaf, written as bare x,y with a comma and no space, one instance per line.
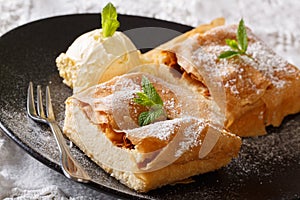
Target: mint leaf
228,54
143,99
109,20
150,98
233,44
144,119
238,47
150,91
242,36
110,27
148,117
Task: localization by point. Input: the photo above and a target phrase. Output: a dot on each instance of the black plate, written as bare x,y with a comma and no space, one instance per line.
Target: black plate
268,167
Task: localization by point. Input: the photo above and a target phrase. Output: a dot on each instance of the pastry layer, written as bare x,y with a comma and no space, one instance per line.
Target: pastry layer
251,92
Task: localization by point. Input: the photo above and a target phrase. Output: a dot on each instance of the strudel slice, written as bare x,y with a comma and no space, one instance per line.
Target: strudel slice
103,122
252,92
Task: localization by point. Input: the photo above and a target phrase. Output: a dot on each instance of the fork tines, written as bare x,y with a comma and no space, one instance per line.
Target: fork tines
39,113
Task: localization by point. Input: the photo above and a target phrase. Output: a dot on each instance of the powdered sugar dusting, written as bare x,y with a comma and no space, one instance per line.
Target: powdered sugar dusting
268,63
162,130
261,156
191,136
231,84
271,66
125,84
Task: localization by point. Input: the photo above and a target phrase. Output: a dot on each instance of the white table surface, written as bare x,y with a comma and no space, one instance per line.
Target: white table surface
276,22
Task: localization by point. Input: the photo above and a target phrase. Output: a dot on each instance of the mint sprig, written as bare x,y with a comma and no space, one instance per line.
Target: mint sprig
150,98
109,20
238,47
148,117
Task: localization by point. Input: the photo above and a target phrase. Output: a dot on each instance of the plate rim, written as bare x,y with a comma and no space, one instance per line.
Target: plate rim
90,14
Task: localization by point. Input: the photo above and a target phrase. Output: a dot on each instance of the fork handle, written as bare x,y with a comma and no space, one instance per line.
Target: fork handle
71,168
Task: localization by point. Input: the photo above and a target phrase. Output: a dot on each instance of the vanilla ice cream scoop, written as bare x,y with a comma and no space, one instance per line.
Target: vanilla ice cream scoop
92,58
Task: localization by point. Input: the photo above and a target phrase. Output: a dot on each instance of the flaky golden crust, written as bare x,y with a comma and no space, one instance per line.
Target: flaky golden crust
258,92
226,148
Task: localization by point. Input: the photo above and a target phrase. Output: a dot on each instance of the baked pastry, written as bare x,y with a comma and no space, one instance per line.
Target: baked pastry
103,122
252,92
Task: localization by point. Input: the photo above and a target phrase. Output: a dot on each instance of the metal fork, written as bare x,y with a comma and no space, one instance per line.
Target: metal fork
70,167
